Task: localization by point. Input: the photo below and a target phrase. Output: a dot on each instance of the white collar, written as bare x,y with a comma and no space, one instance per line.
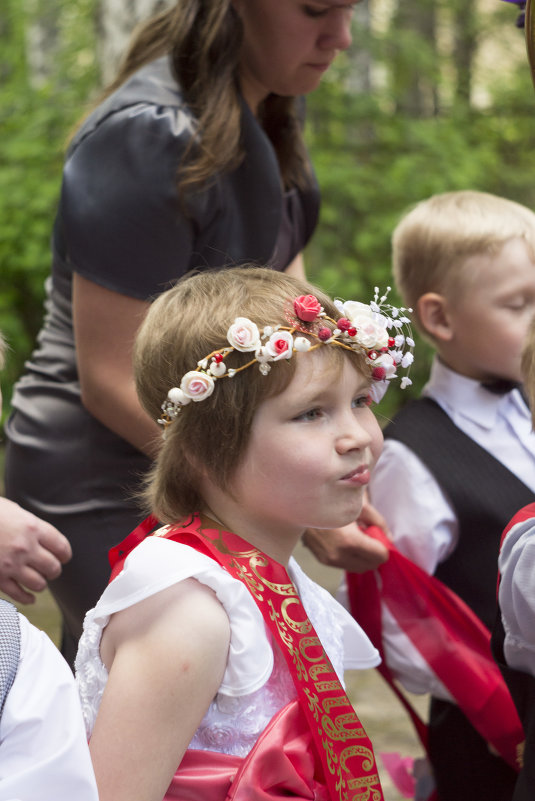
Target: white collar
465,397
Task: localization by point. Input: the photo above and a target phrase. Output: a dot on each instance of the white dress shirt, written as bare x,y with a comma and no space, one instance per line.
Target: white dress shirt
517,596
423,523
43,748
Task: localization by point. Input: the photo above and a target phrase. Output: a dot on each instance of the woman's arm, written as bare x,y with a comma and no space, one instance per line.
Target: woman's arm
296,268
166,658
105,326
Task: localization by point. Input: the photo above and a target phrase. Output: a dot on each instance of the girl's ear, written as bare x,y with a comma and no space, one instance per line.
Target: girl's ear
433,313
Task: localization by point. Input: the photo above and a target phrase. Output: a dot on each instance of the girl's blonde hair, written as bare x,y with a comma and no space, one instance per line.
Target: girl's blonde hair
433,242
182,327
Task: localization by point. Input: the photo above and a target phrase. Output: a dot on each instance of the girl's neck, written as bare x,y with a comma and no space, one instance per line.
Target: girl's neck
277,546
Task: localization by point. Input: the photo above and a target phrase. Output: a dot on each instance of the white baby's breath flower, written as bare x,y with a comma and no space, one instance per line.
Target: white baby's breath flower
407,359
263,355
218,369
302,344
175,395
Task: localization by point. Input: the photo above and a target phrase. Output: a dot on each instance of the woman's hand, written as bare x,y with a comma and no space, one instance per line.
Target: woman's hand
350,547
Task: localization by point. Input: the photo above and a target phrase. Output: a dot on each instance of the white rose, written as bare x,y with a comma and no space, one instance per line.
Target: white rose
243,334
371,327
197,386
280,345
371,333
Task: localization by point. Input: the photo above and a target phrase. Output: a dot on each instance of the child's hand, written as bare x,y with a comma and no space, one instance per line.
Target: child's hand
31,552
348,547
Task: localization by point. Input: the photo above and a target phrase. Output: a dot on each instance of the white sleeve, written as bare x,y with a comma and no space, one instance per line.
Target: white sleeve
517,596
421,519
43,748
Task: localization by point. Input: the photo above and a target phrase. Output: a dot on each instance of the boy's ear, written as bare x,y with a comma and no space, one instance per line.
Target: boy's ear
434,316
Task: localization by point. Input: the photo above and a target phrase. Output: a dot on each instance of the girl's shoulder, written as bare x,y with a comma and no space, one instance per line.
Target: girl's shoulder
158,564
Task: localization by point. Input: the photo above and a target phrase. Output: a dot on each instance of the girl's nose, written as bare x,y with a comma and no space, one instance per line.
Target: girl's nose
352,436
337,32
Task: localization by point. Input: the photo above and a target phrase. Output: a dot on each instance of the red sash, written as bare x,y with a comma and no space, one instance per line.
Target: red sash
343,747
450,637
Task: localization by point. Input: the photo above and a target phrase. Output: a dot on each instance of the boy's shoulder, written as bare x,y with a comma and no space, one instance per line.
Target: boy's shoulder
9,648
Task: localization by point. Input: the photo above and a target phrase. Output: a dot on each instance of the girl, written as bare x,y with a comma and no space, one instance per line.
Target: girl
203,652
193,159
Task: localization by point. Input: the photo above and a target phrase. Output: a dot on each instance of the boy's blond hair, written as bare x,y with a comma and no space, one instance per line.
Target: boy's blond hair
528,368
433,242
182,327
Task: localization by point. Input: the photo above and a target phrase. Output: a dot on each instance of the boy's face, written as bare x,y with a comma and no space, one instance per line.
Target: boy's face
490,317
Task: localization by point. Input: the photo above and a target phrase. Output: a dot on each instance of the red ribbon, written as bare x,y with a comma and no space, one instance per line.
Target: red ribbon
449,636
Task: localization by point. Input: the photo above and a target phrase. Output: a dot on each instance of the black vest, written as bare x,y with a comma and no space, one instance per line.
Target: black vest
484,494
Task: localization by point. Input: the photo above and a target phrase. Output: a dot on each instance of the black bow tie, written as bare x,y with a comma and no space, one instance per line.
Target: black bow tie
500,386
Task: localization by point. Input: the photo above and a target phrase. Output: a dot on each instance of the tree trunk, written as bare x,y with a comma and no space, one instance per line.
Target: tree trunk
414,57
115,22
42,39
464,50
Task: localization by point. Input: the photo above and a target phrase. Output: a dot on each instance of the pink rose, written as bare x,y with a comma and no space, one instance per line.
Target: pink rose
243,334
307,307
197,386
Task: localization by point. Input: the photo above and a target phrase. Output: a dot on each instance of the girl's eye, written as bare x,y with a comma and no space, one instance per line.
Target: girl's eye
309,415
362,401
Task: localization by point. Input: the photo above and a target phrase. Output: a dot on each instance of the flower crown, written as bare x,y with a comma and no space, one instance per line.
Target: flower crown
361,328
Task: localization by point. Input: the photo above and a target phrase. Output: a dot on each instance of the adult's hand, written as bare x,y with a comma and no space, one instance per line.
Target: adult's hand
350,547
31,552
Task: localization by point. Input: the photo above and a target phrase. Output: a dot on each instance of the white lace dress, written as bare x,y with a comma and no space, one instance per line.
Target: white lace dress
256,683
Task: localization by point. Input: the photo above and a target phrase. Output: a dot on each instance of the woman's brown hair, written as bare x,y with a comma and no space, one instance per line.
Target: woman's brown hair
203,40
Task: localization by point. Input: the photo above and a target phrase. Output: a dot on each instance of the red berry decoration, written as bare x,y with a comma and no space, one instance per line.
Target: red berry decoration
391,342
378,373
343,324
372,354
352,332
218,358
324,334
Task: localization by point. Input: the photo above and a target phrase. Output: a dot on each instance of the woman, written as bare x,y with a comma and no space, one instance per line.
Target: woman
194,159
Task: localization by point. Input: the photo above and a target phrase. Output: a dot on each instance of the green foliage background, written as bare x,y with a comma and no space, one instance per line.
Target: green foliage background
373,158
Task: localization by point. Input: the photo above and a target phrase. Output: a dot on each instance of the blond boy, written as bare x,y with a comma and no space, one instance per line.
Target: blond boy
460,461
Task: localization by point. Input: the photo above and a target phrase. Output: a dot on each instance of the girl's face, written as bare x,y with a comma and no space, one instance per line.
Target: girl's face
308,459
289,44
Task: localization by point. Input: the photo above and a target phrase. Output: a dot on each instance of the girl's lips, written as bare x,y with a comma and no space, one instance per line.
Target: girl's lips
360,476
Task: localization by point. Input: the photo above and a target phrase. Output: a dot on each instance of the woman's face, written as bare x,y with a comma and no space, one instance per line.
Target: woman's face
289,44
